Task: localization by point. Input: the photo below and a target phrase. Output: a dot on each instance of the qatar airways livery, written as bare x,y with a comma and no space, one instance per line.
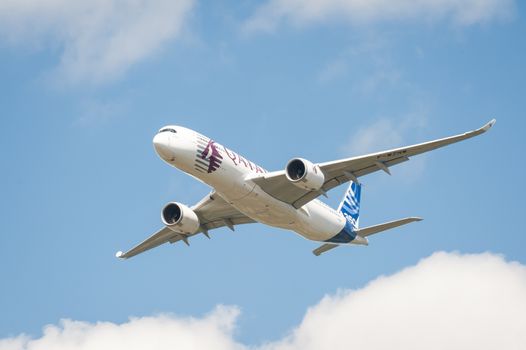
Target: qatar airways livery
243,192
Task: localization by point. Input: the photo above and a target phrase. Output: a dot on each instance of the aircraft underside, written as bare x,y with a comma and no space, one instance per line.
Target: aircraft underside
246,193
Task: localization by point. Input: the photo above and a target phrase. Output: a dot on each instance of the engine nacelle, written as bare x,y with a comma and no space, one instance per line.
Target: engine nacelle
179,218
304,174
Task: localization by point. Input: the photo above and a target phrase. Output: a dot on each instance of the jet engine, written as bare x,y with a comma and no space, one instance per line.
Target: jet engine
304,174
179,218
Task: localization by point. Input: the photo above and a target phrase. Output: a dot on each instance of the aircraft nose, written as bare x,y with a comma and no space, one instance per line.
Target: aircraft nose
161,142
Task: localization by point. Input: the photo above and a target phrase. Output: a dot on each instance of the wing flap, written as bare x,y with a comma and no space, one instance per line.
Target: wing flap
213,209
276,185
221,222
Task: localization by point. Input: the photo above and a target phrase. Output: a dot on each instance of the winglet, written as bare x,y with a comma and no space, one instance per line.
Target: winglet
119,255
488,125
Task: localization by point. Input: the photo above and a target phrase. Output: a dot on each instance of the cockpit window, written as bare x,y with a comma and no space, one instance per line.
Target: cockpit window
167,129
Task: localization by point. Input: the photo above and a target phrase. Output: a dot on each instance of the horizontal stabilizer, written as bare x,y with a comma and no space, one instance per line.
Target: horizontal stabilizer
324,248
371,230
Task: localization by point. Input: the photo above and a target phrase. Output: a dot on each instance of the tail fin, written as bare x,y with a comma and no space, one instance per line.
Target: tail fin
350,205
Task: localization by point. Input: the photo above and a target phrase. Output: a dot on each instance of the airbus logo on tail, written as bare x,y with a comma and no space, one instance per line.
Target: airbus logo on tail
350,206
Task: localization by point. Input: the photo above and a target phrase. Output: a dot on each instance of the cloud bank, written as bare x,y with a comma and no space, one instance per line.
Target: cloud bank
163,332
446,301
98,40
358,12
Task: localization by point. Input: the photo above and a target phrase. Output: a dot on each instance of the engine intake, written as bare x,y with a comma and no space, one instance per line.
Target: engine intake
304,174
179,218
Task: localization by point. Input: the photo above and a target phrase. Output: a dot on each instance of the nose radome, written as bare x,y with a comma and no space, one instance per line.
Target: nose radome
161,142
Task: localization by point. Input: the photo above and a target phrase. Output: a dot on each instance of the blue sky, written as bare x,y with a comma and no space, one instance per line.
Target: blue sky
80,179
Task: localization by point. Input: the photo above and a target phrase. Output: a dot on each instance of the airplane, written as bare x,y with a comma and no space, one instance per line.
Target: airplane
244,192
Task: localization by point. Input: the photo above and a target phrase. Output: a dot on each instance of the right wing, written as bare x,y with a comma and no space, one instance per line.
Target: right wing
340,171
213,212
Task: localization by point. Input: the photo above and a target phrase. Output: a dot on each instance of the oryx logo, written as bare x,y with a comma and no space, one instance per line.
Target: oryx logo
208,159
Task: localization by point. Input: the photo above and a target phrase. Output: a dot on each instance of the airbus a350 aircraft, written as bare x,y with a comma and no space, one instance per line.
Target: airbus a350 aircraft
243,192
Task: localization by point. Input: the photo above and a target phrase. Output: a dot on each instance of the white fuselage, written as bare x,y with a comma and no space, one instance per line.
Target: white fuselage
228,173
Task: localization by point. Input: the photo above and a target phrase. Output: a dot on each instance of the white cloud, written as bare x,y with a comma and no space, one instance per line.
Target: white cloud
302,12
380,78
368,65
383,134
98,39
446,301
169,332
97,112
333,70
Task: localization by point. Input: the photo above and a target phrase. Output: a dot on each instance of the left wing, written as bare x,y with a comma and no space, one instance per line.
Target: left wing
213,212
340,171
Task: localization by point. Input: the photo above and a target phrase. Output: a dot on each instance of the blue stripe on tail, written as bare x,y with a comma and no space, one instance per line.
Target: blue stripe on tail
350,208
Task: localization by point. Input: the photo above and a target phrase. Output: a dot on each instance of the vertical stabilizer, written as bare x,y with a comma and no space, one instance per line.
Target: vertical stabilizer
350,205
